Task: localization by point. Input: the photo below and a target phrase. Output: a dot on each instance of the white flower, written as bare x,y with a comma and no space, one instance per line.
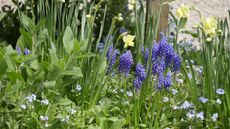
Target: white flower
129,93
31,98
189,75
44,118
45,102
72,111
203,100
200,115
46,124
78,87
81,6
165,99
66,119
218,101
23,106
175,107
115,91
121,90
126,103
180,81
174,91
214,117
120,18
220,91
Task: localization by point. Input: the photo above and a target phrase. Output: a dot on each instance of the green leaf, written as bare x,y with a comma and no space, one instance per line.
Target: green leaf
27,38
49,84
27,22
87,55
118,124
76,71
68,40
65,102
2,64
54,57
2,15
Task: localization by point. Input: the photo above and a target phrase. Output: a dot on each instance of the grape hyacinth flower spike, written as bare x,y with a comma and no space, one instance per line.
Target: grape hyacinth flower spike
140,76
125,63
111,57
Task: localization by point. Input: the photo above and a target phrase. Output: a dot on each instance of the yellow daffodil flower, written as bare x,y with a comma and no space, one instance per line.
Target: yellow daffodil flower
209,25
183,11
128,40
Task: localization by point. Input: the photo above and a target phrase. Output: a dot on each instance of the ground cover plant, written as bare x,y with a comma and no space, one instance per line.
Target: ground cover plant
74,68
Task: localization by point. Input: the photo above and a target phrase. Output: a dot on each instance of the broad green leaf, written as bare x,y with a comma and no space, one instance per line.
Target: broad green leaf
9,62
76,71
27,22
65,102
54,57
29,58
68,40
118,124
27,38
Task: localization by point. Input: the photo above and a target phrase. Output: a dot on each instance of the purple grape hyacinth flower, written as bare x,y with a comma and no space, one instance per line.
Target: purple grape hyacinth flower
145,53
168,80
160,82
140,72
140,76
111,57
137,83
125,62
176,63
163,57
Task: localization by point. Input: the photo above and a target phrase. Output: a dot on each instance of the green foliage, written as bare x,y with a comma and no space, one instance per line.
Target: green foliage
63,81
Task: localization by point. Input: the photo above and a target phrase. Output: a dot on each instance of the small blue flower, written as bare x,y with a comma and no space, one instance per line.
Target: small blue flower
100,47
27,51
174,91
191,114
186,105
129,93
122,30
125,62
200,115
78,87
220,91
214,117
203,100
18,49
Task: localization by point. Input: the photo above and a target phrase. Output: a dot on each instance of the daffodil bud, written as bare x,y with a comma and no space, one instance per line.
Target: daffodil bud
208,40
